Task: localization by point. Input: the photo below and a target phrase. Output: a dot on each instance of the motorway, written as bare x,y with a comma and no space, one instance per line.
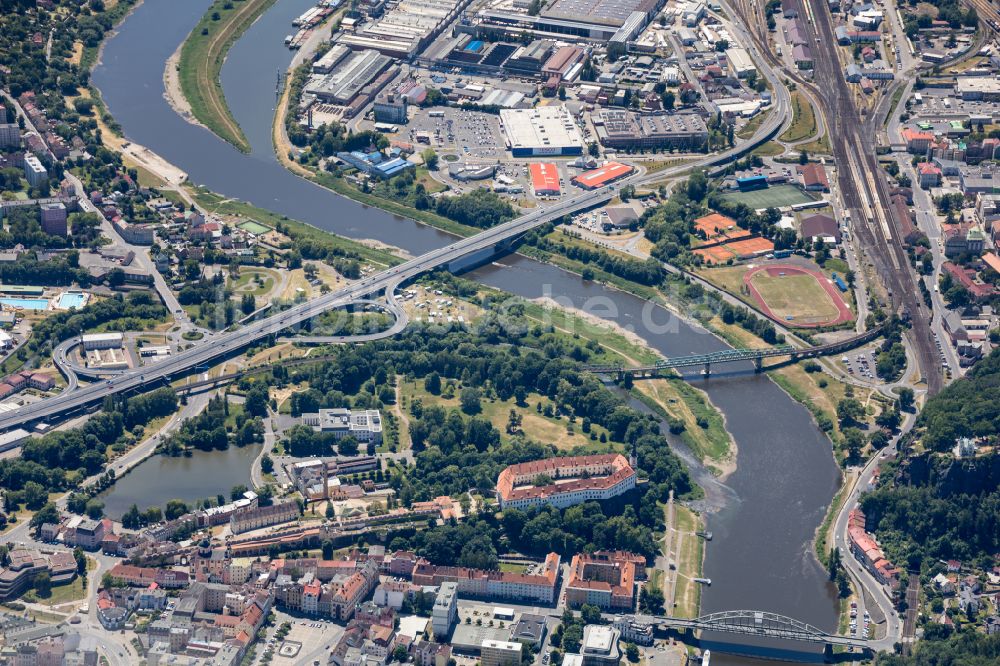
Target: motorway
488,241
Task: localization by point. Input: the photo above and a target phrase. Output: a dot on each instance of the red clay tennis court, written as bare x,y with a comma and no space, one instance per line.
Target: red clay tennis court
796,296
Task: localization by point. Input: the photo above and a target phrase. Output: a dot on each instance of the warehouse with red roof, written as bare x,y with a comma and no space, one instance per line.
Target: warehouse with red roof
544,179
609,173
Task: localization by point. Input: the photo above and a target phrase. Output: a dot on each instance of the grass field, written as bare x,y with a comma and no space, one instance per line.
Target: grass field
247,282
803,123
797,296
777,196
689,557
550,430
202,55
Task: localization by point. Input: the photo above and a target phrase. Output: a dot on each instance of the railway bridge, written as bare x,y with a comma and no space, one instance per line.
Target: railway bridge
756,356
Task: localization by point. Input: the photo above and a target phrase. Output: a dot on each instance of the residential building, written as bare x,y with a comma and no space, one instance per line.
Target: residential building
500,653
634,631
10,135
53,218
538,585
445,612
604,579
34,171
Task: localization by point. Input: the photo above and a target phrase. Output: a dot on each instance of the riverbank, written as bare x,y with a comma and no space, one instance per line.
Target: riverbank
199,65
693,417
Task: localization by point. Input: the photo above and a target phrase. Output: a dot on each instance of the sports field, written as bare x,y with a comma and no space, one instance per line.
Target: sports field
254,227
796,296
777,196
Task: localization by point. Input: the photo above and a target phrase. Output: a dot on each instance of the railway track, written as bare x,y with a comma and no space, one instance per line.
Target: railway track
864,190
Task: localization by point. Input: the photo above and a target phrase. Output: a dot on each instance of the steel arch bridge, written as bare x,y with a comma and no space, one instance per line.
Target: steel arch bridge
762,623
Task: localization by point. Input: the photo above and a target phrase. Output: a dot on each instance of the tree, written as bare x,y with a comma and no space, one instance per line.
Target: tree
266,464
399,654
632,652
594,149
327,548
469,400
81,561
175,508
906,400
651,600
430,159
432,384
95,509
803,157
47,514
34,495
43,584
590,614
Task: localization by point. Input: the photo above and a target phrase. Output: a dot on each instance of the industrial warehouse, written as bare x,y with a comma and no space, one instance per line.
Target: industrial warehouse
547,130
617,128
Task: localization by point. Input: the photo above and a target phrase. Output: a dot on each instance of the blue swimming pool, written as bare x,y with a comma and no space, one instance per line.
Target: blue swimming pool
72,299
26,303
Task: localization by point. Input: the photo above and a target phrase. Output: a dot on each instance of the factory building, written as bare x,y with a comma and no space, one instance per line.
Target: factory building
547,130
596,20
347,78
740,63
390,108
405,29
624,129
330,59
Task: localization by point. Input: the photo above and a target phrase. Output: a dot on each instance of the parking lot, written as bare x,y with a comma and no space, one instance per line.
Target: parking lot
315,639
861,365
472,135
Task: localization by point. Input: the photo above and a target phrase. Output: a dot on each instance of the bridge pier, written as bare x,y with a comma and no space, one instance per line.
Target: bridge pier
827,653
758,364
707,372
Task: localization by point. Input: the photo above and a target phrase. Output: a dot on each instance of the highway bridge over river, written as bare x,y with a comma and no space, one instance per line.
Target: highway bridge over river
460,255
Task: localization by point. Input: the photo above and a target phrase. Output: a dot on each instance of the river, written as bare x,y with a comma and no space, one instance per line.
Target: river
760,557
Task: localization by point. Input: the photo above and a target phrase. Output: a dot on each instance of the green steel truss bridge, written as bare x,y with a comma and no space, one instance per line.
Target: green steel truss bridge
756,356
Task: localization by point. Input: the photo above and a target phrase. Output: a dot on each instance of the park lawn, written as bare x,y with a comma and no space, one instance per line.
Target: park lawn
795,297
513,567
804,121
689,562
247,283
748,130
769,149
548,430
61,594
819,146
200,64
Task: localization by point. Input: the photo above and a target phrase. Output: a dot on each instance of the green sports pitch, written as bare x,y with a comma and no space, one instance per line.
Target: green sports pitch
254,227
778,196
